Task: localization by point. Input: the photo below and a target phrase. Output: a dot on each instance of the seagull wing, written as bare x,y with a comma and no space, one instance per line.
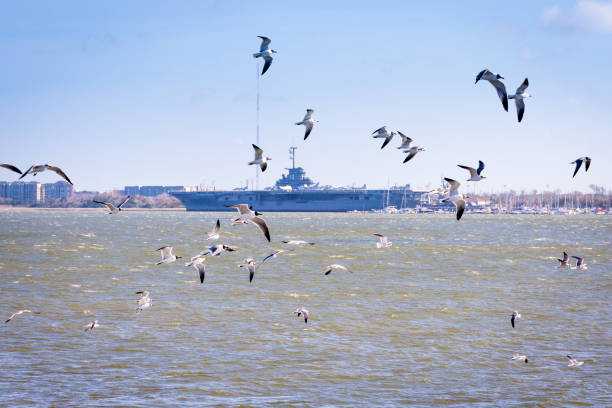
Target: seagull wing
410,156
165,251
308,129
10,167
262,226
387,140
382,129
473,171
454,186
405,139
481,167
267,64
512,320
251,269
28,171
520,108
523,86
263,166
109,205
480,74
501,92
60,173
201,268
242,208
578,164
124,201
587,163
265,43
578,260
460,208
217,227
258,152
308,114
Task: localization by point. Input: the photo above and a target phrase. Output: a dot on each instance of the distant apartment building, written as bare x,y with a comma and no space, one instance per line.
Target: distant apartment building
20,192
57,191
151,191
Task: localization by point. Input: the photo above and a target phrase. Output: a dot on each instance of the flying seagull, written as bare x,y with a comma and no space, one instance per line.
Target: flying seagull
214,250
301,311
167,256
273,254
383,241
252,216
308,122
475,173
574,362
112,208
578,161
265,52
520,357
518,98
214,234
297,242
412,152
383,133
515,315
18,313
10,167
260,159
494,79
198,264
579,263
39,168
406,141
91,326
455,197
332,267
250,265
565,260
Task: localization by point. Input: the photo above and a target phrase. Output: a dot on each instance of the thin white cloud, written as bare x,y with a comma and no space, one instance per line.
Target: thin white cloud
590,15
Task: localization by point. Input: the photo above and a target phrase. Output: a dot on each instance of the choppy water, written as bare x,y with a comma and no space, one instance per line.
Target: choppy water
425,322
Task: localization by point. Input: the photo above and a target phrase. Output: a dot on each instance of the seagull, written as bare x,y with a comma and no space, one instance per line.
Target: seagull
250,265
574,362
297,242
301,311
35,169
520,357
308,122
412,152
18,313
455,197
579,263
112,208
214,234
166,254
474,173
273,254
384,242
265,52
91,326
252,216
565,260
214,250
144,303
198,264
494,79
10,167
578,161
515,315
330,268
406,141
518,98
383,133
259,159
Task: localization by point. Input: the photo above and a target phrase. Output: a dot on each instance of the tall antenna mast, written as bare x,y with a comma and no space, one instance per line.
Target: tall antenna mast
257,129
292,155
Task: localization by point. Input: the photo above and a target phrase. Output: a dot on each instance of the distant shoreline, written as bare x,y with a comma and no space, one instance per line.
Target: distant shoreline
10,207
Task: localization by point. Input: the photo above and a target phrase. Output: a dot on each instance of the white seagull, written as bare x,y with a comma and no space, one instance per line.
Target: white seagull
265,52
519,97
214,234
308,122
167,256
494,79
91,326
18,313
214,250
144,302
475,173
520,357
383,133
332,267
455,197
301,311
260,159
579,263
297,242
39,168
574,362
250,265
251,216
383,241
565,260
578,161
412,152
274,254
10,167
515,315
112,208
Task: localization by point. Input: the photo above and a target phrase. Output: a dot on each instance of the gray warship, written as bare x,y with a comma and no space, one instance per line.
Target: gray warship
296,192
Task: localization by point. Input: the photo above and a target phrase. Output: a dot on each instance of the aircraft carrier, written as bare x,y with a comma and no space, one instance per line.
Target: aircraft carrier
295,192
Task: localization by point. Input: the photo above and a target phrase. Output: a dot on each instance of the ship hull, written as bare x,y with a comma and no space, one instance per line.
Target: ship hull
299,201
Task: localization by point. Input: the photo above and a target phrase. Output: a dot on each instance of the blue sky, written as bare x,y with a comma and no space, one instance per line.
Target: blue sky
157,92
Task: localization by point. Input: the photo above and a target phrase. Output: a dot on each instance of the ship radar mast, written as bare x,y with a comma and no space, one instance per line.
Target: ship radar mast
292,150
